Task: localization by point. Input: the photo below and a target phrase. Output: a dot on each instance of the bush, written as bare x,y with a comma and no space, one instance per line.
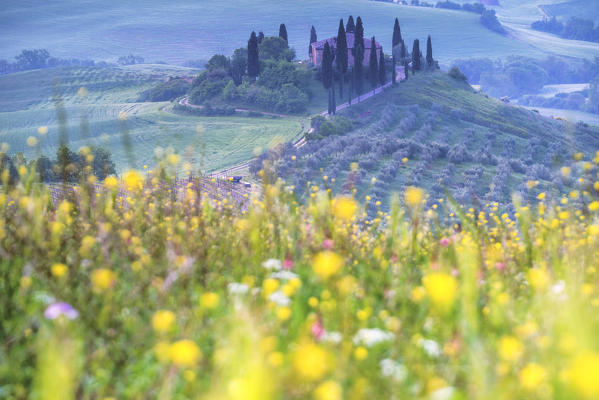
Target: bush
455,73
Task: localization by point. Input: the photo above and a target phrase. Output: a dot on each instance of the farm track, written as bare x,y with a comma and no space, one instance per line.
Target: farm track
301,136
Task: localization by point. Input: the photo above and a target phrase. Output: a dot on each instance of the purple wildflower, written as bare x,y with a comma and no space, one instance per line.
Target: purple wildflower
55,310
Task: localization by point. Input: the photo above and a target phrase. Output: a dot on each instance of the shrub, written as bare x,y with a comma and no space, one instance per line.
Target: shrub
456,74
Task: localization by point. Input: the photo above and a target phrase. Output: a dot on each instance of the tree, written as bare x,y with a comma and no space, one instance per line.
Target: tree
313,39
403,52
327,66
275,48
253,65
397,39
350,27
32,59
341,57
382,70
429,52
405,68
359,55
218,61
373,65
283,33
393,74
239,62
260,37
416,55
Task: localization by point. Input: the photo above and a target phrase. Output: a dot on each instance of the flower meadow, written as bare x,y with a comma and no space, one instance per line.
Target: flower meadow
140,287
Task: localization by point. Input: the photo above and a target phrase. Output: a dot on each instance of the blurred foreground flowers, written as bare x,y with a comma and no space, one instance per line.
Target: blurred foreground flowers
148,287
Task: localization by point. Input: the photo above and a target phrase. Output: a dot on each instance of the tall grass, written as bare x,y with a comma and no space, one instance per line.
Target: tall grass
142,288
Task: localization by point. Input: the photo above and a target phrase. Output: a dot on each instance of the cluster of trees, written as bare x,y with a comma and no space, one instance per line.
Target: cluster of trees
575,28
40,58
68,166
130,60
261,74
335,60
516,76
477,8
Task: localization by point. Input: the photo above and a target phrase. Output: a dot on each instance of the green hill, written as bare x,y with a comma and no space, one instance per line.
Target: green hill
92,118
479,148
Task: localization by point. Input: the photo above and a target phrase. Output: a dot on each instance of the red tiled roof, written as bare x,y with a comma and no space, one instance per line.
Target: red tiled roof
349,36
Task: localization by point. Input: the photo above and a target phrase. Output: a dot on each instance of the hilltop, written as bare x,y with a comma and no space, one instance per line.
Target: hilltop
435,132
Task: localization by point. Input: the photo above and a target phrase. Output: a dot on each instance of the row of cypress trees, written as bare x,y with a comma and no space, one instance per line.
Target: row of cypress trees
377,71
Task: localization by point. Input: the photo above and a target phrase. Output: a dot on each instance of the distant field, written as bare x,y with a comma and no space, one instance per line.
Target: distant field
196,29
587,9
26,104
570,115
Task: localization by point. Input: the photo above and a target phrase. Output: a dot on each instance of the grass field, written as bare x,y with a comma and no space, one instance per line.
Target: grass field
175,32
26,103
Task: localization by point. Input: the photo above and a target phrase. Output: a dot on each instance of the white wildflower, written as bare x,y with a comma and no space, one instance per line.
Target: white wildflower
332,337
279,298
370,337
283,275
445,393
238,288
430,347
272,264
392,369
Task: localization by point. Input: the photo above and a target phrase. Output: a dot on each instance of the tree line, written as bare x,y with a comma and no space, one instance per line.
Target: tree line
575,28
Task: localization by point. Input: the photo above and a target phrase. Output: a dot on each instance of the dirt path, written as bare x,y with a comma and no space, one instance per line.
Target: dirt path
301,136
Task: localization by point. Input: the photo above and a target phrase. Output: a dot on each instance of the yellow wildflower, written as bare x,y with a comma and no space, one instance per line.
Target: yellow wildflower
328,390
133,181
209,300
360,353
510,348
532,376
311,362
344,208
184,353
583,374
111,182
441,289
538,278
413,196
283,313
102,279
162,320
59,270
327,264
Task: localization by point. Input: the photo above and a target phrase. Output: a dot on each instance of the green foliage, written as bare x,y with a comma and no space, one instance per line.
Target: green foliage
33,59
208,85
218,61
313,39
327,66
283,33
397,39
455,73
253,63
429,52
239,62
373,66
489,19
416,55
275,48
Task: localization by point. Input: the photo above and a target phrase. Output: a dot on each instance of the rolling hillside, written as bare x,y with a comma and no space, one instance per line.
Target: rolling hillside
175,32
96,116
435,132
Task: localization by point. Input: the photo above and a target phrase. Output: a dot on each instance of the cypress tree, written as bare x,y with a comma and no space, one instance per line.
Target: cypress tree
341,57
429,52
405,68
403,51
283,32
393,74
350,27
260,37
359,55
382,71
416,55
327,66
373,65
253,60
397,39
313,39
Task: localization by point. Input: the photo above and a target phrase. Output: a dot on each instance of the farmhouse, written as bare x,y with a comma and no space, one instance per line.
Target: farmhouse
318,48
